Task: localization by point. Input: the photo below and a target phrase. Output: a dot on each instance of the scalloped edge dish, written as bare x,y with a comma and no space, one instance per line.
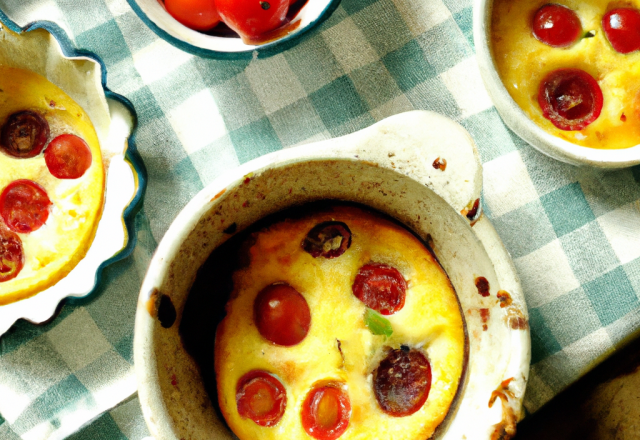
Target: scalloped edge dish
391,167
114,119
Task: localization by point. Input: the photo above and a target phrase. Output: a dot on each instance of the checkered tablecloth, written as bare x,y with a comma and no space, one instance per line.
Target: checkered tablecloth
574,234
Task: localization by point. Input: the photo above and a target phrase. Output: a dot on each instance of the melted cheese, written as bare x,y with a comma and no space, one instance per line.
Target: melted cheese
53,250
430,320
523,61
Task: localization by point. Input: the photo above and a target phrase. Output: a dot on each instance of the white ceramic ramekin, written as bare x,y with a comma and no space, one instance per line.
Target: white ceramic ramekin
389,167
154,15
518,121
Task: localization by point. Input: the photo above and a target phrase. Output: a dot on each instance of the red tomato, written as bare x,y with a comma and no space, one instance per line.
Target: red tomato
24,206
11,257
68,157
326,411
380,287
199,15
282,315
252,19
261,398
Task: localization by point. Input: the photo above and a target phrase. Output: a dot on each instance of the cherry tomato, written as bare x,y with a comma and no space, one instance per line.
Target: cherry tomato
252,19
68,157
402,382
11,256
261,398
328,240
282,315
326,411
570,98
380,287
24,134
622,28
199,15
556,25
24,206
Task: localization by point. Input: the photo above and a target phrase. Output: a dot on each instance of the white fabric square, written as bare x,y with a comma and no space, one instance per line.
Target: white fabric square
274,83
399,104
465,84
78,339
546,274
197,121
118,7
584,351
622,228
349,45
158,59
26,373
421,16
39,432
110,379
507,184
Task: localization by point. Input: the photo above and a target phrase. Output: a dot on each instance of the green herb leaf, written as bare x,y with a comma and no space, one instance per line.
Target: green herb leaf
377,324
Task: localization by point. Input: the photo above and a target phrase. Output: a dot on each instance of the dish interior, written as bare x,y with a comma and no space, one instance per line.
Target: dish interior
177,389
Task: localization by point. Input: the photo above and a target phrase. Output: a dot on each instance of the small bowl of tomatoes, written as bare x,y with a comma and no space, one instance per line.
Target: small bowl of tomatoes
233,29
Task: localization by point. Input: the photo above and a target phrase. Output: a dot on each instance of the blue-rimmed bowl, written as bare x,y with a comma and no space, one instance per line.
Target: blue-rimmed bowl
44,48
154,15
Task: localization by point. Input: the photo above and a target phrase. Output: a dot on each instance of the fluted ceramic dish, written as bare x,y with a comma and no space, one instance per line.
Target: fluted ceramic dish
389,167
154,15
44,48
518,121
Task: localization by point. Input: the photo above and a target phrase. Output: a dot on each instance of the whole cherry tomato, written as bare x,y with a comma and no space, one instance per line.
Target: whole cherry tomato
199,15
252,19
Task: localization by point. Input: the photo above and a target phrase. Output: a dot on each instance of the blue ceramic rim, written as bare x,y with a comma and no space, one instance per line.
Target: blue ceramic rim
265,51
132,156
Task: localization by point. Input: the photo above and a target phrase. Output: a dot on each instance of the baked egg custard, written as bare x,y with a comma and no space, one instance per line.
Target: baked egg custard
342,324
51,184
573,66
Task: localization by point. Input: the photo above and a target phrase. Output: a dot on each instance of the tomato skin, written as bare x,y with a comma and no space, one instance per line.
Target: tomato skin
11,254
251,19
199,15
68,157
261,398
24,206
380,287
570,98
326,411
622,28
282,315
556,25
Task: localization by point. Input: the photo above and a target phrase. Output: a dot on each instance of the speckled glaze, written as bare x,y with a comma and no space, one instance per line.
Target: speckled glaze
154,15
389,167
44,48
518,121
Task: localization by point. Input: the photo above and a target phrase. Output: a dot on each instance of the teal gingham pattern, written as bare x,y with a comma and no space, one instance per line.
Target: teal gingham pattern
574,234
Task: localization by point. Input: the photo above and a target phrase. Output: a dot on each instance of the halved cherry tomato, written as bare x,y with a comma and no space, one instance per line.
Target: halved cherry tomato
24,206
326,411
11,256
402,382
68,157
261,398
282,315
252,19
24,134
380,287
570,98
199,15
